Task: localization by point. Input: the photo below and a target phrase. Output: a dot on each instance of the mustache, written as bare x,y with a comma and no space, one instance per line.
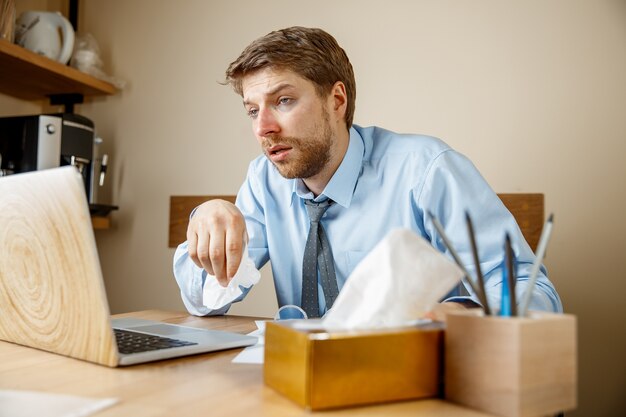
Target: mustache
273,140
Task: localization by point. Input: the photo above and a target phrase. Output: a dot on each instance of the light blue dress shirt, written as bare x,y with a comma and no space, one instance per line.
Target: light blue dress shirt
385,181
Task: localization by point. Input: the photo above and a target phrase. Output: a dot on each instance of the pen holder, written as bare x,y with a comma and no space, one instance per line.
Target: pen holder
511,366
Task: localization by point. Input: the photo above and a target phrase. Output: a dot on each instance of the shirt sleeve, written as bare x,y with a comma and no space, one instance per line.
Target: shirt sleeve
453,186
250,201
190,279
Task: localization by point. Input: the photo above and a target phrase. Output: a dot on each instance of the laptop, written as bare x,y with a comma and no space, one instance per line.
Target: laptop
52,294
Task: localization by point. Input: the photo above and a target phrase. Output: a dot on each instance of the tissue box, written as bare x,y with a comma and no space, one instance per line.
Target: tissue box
511,366
320,370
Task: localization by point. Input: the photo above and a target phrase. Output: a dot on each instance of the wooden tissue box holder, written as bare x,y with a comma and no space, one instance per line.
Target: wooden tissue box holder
320,370
511,366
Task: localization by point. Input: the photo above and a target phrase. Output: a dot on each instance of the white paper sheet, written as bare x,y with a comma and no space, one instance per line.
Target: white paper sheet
254,354
15,403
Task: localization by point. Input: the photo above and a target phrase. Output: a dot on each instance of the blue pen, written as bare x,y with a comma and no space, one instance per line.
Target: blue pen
505,301
510,275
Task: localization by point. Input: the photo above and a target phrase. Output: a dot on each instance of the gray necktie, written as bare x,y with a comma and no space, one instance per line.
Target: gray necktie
317,254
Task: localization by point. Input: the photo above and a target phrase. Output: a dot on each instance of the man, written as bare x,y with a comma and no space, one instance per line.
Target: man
298,89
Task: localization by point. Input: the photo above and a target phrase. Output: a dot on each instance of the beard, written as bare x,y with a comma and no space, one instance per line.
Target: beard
312,153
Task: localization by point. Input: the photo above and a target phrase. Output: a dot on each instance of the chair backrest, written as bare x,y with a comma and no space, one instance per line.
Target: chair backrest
528,210
180,208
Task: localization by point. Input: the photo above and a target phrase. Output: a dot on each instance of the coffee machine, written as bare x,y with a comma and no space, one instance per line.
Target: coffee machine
29,143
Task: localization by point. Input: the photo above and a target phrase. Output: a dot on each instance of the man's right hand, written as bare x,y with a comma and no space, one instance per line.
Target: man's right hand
215,239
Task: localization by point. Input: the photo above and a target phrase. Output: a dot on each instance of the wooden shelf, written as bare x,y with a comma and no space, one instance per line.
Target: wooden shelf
26,75
100,222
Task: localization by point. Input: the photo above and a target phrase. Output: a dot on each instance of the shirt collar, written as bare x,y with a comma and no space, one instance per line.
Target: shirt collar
341,186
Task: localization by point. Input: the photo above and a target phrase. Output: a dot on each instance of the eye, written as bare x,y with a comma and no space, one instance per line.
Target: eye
285,101
252,113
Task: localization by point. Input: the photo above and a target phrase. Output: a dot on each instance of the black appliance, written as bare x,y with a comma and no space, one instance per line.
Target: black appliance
29,143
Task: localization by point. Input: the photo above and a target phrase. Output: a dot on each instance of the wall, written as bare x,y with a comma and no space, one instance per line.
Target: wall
10,106
533,92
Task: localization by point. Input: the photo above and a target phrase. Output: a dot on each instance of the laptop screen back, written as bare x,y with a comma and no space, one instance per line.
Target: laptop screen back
52,295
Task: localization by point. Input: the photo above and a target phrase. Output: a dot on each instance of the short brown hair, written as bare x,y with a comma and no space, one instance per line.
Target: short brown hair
309,52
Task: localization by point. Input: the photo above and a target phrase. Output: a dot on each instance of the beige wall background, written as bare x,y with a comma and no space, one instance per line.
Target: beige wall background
534,92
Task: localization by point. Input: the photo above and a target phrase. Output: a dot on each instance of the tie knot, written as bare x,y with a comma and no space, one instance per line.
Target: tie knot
316,210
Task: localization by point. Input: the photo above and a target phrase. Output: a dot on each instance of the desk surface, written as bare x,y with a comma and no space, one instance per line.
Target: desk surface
208,384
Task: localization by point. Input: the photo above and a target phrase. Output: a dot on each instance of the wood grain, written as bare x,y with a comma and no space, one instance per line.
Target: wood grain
528,210
327,370
50,278
207,384
512,366
26,75
100,222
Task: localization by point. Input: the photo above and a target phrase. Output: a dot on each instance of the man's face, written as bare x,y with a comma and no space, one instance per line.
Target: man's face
290,121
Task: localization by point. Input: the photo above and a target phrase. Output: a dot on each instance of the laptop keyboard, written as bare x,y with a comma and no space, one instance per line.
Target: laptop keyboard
134,342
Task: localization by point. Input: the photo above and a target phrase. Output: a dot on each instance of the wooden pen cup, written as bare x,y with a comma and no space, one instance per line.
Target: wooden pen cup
511,366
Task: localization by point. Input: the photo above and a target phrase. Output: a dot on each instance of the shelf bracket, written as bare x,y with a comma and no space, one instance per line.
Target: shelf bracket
67,100
73,15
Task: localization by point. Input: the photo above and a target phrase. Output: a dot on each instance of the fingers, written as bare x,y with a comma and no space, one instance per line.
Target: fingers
192,246
234,249
198,240
216,255
215,239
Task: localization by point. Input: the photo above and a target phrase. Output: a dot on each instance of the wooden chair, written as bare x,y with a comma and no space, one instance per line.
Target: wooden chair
528,210
180,208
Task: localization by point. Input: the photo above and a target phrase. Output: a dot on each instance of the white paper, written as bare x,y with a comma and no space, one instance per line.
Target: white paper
399,281
254,354
30,403
214,296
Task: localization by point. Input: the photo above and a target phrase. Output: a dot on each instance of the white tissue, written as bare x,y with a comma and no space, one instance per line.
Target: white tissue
400,280
214,296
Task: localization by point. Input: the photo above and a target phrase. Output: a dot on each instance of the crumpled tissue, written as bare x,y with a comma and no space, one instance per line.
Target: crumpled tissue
399,281
214,296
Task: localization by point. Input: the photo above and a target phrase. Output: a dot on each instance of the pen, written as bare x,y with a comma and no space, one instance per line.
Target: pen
510,274
505,302
479,273
455,256
541,251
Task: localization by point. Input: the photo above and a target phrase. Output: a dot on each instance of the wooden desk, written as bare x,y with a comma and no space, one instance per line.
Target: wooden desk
207,384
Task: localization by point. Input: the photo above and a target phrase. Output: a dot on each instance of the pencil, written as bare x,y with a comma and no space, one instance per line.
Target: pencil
541,252
455,256
482,295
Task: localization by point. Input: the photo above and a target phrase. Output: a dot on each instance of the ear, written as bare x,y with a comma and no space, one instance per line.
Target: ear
339,100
